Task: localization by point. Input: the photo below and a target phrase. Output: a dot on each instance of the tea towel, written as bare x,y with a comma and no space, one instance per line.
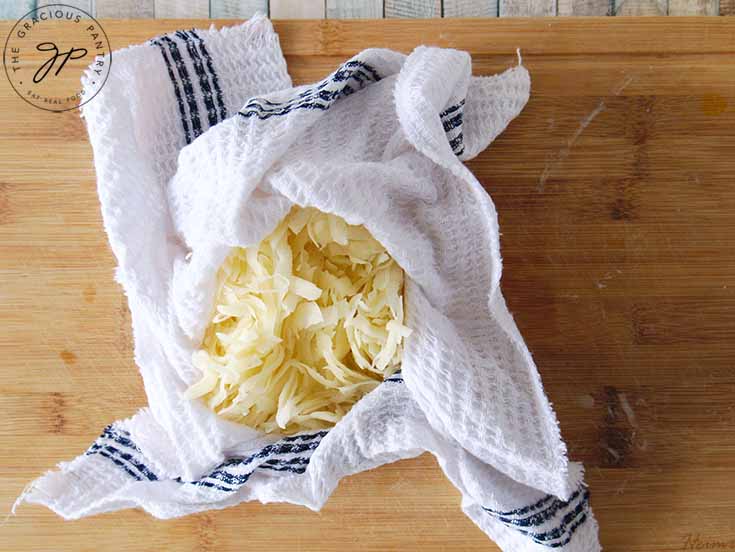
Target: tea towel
201,144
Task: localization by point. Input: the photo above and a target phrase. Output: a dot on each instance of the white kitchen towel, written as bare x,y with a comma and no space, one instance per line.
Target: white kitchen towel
183,177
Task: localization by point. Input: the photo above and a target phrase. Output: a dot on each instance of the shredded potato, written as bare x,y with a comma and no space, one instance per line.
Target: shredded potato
305,324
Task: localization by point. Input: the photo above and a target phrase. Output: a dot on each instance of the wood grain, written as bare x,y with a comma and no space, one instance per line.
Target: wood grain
129,9
625,37
374,9
297,9
175,8
641,7
17,9
411,9
694,7
237,8
354,9
615,198
527,8
470,8
86,5
584,7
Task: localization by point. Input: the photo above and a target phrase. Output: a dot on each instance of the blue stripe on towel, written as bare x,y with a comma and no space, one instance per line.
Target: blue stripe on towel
196,125
562,533
452,109
304,436
277,457
177,91
122,465
212,72
201,72
540,517
395,378
298,470
451,119
290,454
183,86
128,459
352,76
521,511
223,474
457,144
452,123
575,513
120,436
292,462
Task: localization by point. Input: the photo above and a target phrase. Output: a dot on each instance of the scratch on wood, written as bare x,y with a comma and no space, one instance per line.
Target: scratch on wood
586,121
601,283
616,440
613,453
623,85
563,153
627,409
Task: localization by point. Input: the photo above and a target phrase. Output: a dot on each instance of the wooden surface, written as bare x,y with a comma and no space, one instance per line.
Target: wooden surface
412,8
641,7
354,9
694,7
470,8
528,8
139,9
242,9
615,194
584,7
376,9
297,9
176,8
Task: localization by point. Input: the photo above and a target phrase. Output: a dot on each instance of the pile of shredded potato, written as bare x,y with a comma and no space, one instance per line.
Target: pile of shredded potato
305,324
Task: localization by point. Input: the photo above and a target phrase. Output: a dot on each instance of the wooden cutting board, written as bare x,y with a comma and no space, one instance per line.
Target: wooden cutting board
616,194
